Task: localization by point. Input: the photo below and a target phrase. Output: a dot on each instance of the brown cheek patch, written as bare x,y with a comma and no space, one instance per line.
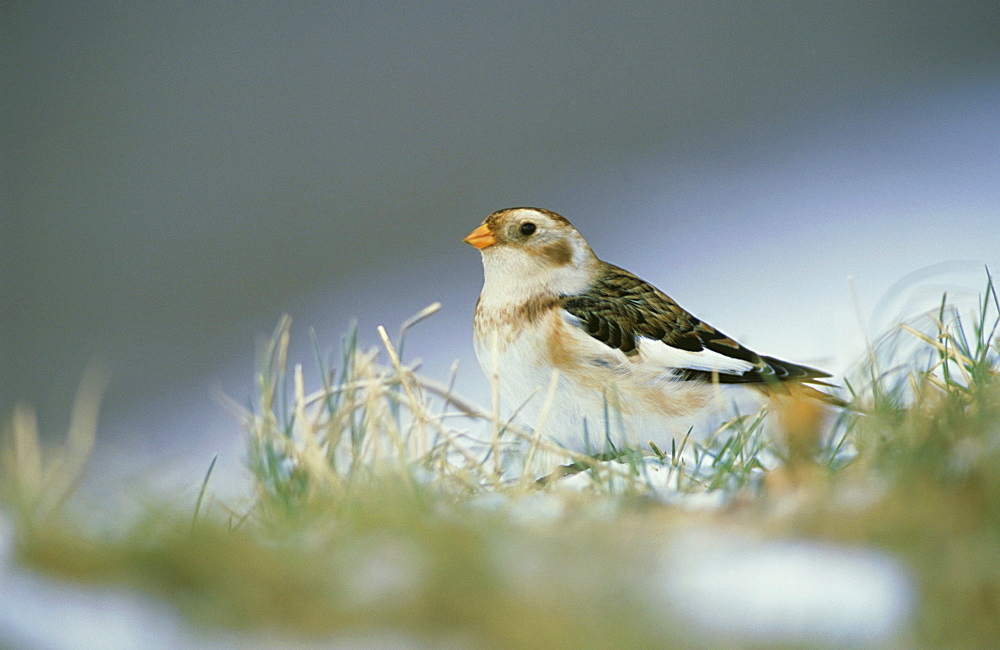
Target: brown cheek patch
559,254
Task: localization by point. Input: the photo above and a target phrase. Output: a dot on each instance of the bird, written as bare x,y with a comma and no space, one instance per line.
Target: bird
610,360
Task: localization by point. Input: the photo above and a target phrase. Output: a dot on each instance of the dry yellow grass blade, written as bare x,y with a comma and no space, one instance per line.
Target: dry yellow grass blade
40,481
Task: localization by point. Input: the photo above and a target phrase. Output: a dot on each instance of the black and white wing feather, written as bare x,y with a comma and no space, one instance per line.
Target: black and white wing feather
628,314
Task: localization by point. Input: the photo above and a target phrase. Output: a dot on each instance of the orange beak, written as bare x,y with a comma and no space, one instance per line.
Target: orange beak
481,237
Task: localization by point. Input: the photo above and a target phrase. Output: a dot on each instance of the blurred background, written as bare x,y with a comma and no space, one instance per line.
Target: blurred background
175,176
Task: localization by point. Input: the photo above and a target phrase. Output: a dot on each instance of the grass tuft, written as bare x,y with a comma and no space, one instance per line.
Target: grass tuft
384,502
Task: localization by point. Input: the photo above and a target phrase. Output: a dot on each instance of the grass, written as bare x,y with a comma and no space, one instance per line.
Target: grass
386,504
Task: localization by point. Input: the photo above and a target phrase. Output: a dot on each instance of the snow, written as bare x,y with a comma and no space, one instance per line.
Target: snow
783,591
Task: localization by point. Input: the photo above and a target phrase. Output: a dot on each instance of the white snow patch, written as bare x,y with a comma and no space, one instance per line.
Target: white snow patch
794,591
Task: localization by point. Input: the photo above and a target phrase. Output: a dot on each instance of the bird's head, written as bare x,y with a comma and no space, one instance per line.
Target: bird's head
531,246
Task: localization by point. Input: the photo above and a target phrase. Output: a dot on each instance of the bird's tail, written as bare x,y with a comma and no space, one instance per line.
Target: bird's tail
797,390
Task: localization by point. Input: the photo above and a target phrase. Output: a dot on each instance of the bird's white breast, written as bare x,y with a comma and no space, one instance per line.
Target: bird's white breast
600,393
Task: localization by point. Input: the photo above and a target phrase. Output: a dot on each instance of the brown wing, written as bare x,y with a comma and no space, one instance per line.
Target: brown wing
620,307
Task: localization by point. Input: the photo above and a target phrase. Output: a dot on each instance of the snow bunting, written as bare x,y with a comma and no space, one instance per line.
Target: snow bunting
632,366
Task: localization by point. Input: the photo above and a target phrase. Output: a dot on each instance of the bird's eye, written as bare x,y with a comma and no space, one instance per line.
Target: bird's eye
527,228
